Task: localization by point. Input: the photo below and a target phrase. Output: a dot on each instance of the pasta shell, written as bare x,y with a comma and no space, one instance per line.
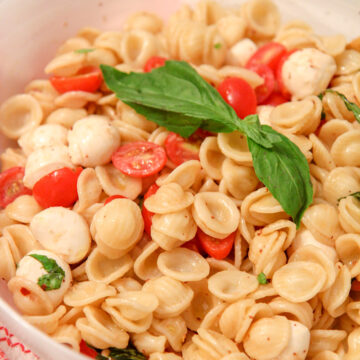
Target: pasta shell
68,335
234,146
349,215
148,343
66,117
7,264
346,148
23,209
67,64
211,158
321,340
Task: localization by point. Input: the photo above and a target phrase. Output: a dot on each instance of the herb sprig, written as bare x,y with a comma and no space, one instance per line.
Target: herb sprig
83,51
53,279
356,195
177,97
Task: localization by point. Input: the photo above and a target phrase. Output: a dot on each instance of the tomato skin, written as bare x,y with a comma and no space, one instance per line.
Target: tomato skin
263,91
180,150
12,186
239,95
86,350
113,197
139,159
216,248
268,54
355,285
154,62
275,99
88,79
282,88
147,215
59,188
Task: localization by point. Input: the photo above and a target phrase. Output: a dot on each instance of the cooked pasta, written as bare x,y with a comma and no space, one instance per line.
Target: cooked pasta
173,246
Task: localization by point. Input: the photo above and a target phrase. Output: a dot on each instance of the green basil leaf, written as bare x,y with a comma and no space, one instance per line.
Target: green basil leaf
262,279
285,172
356,195
349,105
55,274
130,353
83,51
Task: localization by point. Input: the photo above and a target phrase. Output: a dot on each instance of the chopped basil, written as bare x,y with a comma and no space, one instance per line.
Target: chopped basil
177,97
55,274
218,45
83,51
356,195
262,279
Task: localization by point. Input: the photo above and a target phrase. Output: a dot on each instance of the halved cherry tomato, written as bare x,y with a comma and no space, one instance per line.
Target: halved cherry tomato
275,99
180,150
263,91
59,188
12,186
216,248
113,197
139,159
239,95
355,285
87,79
268,54
200,134
88,351
194,245
147,215
282,88
154,62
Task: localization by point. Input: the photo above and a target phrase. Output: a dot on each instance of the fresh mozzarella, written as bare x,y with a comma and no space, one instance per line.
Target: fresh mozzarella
92,141
241,52
45,160
62,231
32,269
308,72
44,135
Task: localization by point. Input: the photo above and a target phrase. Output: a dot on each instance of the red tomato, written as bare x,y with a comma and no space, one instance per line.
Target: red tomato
113,197
355,285
239,95
86,350
275,99
180,150
216,248
88,79
200,135
154,62
12,186
59,188
282,88
268,54
194,245
263,91
139,159
147,215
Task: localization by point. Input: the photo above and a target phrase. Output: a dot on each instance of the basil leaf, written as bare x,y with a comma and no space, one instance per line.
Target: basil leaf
55,274
356,195
83,51
130,353
349,105
261,278
285,172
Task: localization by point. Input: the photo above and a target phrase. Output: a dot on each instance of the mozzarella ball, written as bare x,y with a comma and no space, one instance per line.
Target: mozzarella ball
117,227
32,269
44,135
240,53
308,72
298,345
44,161
92,141
62,231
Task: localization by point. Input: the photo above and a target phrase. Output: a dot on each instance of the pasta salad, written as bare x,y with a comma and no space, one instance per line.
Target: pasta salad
189,189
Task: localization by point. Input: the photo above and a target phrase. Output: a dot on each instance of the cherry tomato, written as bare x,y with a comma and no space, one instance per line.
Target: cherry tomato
88,79
147,215
86,350
194,245
200,134
263,91
11,185
355,285
113,197
268,54
154,62
139,159
59,188
180,150
216,248
147,182
239,95
275,99
282,88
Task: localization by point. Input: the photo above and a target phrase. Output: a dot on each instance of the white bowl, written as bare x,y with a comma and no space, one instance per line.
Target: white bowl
31,30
